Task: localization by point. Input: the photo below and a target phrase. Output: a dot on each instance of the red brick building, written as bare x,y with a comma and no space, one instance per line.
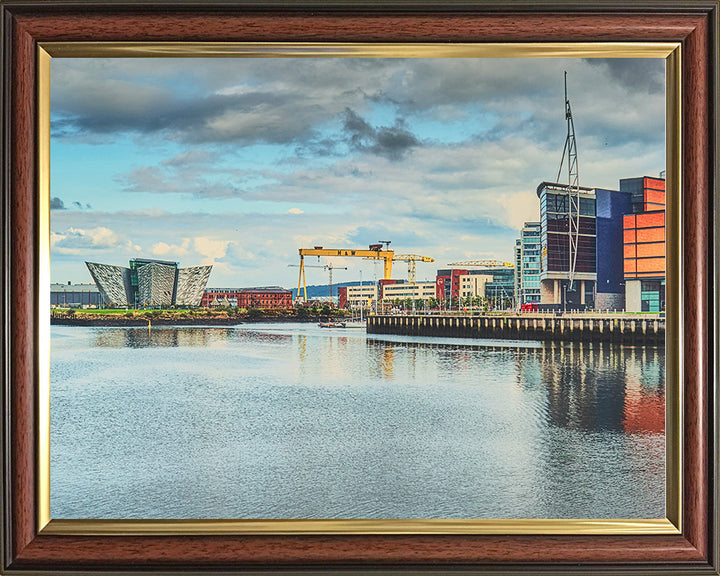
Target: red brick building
261,297
447,283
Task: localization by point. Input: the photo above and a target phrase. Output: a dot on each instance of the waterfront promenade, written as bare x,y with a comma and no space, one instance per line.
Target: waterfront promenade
643,330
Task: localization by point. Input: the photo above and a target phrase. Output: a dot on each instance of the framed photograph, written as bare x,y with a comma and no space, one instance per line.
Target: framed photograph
532,388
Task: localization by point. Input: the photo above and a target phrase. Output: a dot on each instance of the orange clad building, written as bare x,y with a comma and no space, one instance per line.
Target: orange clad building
644,245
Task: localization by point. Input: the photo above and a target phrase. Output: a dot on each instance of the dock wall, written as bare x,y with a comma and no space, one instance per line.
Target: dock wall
643,331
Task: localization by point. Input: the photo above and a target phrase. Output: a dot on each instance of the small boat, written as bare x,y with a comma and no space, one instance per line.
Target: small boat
332,324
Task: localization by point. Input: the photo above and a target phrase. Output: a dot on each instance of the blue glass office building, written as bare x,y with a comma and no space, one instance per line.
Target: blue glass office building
528,264
598,281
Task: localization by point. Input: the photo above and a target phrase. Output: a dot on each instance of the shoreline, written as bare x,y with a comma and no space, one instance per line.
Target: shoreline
122,322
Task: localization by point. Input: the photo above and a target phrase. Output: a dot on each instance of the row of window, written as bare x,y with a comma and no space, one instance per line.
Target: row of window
559,203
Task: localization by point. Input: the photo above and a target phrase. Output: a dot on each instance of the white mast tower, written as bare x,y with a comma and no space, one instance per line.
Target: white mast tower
573,203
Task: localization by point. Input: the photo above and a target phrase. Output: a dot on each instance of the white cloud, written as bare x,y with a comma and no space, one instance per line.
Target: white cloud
520,207
165,249
78,240
211,250
463,193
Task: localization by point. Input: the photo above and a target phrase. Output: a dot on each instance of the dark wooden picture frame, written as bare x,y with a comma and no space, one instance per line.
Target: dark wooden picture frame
26,24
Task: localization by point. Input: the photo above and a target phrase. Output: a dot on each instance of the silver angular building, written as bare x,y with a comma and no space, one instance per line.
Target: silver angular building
150,283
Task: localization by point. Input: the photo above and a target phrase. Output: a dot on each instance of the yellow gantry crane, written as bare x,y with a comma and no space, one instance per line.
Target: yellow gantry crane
329,267
483,264
373,252
411,259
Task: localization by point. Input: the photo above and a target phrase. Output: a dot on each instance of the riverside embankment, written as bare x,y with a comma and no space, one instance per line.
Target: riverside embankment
620,329
170,318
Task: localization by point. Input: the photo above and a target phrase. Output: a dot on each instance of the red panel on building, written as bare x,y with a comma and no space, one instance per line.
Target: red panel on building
440,287
342,297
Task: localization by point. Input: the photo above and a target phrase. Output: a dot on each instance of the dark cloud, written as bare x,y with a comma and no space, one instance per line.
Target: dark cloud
389,142
267,117
644,75
57,204
322,148
303,102
193,156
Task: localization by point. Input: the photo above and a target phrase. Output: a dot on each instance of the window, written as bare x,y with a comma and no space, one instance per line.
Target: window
587,206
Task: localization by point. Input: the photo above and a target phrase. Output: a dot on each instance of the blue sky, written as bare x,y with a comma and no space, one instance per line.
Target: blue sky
239,162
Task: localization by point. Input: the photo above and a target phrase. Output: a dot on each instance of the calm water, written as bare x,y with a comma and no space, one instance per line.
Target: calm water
295,421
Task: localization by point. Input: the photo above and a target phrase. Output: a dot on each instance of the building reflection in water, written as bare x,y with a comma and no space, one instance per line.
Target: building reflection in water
186,336
588,387
585,386
480,429
598,387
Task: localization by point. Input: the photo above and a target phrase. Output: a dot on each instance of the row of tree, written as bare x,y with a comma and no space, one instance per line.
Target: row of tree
455,303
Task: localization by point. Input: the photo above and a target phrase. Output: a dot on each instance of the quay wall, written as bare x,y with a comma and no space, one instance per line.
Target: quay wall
641,331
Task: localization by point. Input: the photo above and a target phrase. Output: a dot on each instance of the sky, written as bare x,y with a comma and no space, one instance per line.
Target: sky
238,163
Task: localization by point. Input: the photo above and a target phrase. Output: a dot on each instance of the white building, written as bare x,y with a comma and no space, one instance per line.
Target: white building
364,296
473,285
415,290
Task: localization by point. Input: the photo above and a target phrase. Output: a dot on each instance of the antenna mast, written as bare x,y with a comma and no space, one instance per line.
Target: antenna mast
573,204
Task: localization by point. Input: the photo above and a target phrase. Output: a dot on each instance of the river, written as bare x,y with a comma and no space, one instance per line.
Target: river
297,421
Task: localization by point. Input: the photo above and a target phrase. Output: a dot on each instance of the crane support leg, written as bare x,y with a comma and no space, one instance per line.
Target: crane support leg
301,279
388,268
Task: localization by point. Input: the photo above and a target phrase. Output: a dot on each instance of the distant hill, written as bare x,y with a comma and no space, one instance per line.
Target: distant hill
320,290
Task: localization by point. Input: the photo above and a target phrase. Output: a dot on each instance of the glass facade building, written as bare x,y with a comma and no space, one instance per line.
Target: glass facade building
150,283
555,245
518,267
528,280
499,287
501,291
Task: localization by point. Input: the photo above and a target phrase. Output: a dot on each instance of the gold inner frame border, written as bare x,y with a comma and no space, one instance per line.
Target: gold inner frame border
671,52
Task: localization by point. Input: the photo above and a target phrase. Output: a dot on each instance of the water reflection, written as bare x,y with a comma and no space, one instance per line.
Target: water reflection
596,387
589,387
272,421
171,337
160,337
